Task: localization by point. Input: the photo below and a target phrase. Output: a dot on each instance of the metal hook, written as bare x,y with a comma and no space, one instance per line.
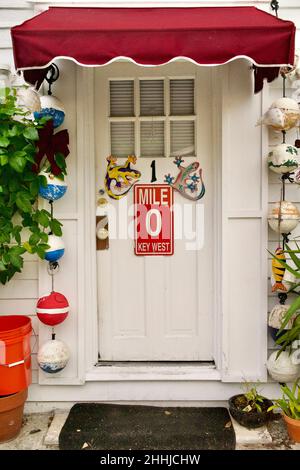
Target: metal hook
52,76
275,6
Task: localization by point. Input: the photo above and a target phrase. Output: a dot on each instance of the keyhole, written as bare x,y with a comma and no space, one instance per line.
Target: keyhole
153,178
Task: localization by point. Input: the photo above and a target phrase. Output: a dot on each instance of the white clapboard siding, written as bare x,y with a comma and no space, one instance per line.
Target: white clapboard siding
292,14
19,289
11,13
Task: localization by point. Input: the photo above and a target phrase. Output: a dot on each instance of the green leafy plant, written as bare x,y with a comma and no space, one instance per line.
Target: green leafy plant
252,400
290,401
19,186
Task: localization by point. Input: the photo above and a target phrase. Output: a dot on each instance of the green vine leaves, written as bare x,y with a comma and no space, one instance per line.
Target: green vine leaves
23,227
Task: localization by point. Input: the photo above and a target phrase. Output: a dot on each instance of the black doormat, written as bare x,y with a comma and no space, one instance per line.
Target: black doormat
131,427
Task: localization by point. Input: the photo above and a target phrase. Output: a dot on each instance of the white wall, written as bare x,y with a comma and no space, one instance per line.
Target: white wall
20,295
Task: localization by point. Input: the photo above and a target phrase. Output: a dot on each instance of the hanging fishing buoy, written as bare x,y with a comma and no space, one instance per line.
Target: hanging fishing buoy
54,189
283,217
51,107
56,250
283,159
52,309
282,115
29,98
53,356
281,368
276,318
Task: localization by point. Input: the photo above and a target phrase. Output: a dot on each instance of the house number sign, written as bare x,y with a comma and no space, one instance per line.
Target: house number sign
153,213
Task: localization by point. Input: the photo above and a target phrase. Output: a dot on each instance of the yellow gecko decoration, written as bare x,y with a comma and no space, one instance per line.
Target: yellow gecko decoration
119,179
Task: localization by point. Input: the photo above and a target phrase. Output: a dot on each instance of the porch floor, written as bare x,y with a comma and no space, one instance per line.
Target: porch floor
41,430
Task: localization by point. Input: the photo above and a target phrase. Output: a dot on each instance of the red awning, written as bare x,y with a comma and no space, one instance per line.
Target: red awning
154,36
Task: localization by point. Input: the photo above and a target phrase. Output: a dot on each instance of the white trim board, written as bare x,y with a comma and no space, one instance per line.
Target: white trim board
157,372
145,391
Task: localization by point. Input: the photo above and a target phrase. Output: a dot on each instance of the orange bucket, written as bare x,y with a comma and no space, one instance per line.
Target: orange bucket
15,353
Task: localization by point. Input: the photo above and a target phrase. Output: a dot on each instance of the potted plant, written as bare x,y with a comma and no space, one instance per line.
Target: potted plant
11,414
250,409
289,404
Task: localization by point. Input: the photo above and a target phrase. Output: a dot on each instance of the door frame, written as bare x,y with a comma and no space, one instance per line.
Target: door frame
86,149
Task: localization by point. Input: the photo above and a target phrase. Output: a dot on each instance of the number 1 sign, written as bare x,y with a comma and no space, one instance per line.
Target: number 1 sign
153,213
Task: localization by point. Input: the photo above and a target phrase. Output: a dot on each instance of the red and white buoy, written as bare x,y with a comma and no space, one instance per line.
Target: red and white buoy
52,309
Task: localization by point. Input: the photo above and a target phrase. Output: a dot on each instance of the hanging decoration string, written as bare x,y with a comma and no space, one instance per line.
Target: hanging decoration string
282,296
52,309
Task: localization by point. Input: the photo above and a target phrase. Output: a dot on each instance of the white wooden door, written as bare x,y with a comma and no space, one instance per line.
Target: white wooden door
158,308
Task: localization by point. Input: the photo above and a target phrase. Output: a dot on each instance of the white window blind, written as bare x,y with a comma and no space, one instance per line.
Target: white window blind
182,97
161,123
122,139
152,97
152,139
182,138
121,98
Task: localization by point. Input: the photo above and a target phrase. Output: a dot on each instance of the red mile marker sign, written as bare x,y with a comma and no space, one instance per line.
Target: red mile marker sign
153,213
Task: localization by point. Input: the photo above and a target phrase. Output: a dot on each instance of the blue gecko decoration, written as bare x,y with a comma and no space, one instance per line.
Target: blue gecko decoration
188,179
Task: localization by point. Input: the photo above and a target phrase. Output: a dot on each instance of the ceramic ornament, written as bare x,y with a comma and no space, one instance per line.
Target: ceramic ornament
283,159
276,318
278,271
188,182
30,98
283,217
282,368
53,356
56,250
52,107
119,179
283,115
52,309
55,188
277,315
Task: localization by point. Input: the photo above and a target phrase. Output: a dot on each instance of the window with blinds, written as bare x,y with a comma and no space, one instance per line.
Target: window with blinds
152,117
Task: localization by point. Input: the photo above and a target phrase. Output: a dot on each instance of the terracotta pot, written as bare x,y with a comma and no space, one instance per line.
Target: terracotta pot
293,427
11,414
249,420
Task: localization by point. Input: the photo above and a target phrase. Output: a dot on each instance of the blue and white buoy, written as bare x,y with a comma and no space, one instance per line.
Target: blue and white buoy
55,188
53,356
56,250
53,107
